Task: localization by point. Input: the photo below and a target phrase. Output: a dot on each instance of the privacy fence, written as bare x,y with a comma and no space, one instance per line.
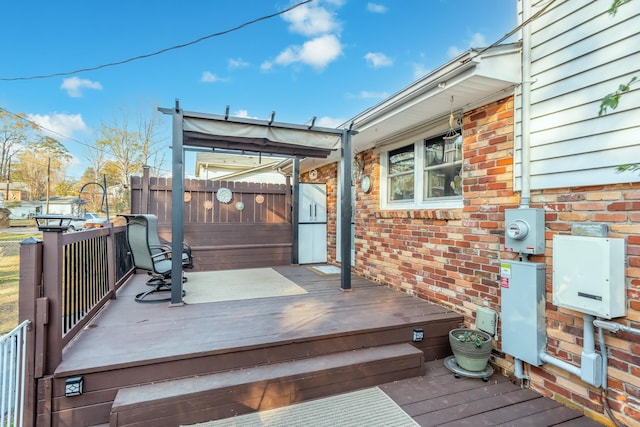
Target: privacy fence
229,225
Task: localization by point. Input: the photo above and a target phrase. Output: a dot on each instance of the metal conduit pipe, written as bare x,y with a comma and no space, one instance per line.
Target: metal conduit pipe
591,369
615,327
518,370
589,345
605,360
545,358
525,119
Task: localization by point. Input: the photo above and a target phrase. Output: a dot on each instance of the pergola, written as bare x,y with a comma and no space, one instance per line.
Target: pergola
199,131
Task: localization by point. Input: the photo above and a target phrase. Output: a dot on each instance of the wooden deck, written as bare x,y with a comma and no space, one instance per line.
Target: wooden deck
200,362
440,399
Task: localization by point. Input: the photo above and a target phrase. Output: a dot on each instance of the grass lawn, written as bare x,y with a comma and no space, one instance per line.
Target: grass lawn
9,276
8,292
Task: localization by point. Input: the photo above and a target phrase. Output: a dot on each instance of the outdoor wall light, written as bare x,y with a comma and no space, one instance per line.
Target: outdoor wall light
418,334
73,386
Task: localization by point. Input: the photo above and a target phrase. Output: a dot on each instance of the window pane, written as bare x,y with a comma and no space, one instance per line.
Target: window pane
435,153
443,182
443,165
401,160
401,187
453,149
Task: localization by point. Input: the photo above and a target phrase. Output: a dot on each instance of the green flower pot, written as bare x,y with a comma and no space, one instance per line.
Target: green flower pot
469,356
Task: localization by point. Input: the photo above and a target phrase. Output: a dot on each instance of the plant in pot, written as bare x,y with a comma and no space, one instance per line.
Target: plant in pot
471,348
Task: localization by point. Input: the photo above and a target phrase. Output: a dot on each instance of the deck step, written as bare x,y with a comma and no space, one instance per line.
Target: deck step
226,394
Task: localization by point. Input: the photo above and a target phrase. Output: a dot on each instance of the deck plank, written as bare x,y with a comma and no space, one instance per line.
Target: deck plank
440,399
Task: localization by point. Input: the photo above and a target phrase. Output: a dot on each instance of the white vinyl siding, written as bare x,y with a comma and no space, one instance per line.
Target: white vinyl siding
579,54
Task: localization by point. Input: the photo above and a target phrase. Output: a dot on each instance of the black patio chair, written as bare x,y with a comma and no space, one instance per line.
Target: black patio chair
151,255
158,247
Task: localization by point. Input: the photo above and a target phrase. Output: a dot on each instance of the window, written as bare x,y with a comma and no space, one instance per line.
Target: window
425,174
443,166
401,170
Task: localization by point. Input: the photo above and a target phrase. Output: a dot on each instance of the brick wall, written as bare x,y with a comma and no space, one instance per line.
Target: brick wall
451,257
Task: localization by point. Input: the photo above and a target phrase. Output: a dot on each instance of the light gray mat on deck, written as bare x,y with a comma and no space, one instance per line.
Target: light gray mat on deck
229,285
370,407
325,270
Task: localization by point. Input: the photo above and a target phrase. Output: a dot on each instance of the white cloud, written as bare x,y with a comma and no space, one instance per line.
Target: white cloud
317,53
329,122
311,20
376,8
419,70
209,77
453,51
477,40
368,95
75,86
377,60
59,125
235,63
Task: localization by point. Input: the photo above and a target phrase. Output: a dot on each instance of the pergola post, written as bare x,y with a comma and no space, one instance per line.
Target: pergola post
177,211
295,210
346,208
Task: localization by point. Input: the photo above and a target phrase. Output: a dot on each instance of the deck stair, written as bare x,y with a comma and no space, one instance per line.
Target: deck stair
226,394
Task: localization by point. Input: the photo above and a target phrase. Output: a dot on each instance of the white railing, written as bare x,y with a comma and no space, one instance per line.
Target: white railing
12,376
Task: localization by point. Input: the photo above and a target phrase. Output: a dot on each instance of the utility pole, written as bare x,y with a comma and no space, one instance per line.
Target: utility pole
8,179
48,184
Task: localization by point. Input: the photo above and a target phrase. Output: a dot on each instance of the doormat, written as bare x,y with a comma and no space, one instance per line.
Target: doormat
370,407
325,270
231,285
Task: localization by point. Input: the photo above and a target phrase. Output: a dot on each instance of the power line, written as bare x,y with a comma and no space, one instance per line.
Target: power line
159,52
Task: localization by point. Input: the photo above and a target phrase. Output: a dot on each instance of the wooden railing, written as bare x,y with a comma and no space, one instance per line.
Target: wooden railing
65,279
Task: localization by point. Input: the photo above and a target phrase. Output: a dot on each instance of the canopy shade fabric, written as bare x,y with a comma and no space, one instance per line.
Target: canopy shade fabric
259,136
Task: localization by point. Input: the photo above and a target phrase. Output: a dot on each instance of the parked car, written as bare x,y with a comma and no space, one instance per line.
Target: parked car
95,223
89,218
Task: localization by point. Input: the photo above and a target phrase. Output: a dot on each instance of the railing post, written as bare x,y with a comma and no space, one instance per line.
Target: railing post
52,291
111,261
29,289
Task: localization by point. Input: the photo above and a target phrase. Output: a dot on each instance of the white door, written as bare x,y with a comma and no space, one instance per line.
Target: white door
312,223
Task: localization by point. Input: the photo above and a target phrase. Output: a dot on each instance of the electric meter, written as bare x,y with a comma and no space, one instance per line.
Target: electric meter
518,229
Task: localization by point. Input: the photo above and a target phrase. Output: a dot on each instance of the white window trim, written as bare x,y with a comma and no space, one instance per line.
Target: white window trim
417,202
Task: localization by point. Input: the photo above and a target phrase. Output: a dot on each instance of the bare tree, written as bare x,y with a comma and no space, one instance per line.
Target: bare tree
153,151
15,131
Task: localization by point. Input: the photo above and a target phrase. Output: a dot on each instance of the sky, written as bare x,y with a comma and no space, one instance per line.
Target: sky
329,59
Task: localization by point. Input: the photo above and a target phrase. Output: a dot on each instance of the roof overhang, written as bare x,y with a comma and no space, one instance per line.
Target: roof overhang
472,79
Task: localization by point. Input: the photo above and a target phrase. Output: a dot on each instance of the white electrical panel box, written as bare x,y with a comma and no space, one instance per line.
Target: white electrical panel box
589,275
524,230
